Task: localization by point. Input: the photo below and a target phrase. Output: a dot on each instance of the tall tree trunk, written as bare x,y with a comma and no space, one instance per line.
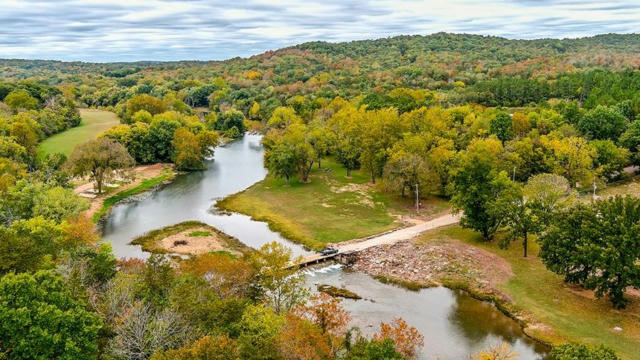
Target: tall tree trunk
319,163
524,244
348,172
373,177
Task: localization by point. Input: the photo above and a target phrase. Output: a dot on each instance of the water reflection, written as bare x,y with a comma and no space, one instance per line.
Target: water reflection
454,324
191,196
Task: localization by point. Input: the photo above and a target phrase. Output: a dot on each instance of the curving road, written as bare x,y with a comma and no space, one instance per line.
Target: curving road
388,238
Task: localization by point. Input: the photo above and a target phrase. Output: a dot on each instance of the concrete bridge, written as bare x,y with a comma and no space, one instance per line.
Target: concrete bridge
346,251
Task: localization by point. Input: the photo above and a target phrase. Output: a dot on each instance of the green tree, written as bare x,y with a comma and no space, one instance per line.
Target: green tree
502,126
282,285
582,352
58,203
231,119
28,244
597,246
39,319
282,117
630,139
407,167
101,159
142,116
160,137
476,184
610,160
281,160
603,123
519,214
259,329
348,154
25,136
364,349
190,150
145,102
20,99
320,139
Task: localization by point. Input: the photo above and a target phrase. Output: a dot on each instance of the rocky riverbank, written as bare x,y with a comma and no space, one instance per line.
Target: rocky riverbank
417,264
435,263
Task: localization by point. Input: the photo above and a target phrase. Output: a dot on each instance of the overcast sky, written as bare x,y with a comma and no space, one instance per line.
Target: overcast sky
129,30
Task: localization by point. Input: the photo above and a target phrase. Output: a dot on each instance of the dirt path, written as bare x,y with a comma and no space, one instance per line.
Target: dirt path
140,173
401,234
391,237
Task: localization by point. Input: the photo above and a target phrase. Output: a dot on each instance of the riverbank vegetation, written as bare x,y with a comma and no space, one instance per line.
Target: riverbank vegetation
329,208
541,299
464,117
145,185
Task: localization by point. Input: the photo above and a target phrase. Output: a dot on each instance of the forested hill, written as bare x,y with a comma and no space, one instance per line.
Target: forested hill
463,68
442,46
453,53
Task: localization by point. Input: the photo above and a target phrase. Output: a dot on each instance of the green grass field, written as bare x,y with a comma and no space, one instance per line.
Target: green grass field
331,208
93,123
543,294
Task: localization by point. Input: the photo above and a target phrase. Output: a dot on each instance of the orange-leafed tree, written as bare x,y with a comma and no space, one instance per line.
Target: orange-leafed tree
328,315
228,277
406,338
79,230
300,339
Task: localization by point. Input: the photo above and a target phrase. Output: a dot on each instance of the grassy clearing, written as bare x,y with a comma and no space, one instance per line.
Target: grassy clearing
199,233
144,186
149,241
572,314
93,123
330,209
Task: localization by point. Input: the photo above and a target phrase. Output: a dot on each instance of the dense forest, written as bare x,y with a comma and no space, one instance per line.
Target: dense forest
508,130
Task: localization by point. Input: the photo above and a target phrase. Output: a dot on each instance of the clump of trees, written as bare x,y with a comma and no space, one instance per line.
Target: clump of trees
596,246
166,137
101,159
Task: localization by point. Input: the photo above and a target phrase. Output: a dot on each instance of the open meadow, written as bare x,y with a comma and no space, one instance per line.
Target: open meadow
93,123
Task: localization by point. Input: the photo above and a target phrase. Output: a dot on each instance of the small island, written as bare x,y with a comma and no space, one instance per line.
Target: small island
190,238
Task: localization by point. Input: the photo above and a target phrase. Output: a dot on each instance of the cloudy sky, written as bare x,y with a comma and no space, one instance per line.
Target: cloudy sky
129,30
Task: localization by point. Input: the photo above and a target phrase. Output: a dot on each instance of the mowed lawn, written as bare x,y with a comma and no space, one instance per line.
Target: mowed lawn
93,123
331,208
574,315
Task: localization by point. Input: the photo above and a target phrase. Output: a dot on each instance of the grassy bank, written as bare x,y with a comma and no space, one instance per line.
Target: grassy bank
93,123
142,187
571,314
149,241
330,209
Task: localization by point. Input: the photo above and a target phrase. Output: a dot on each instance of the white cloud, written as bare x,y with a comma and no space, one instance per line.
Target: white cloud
110,30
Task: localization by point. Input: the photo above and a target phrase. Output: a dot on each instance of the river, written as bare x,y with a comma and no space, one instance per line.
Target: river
454,324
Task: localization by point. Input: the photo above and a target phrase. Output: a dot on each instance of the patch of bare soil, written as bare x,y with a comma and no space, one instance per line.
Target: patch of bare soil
435,262
139,174
182,243
360,189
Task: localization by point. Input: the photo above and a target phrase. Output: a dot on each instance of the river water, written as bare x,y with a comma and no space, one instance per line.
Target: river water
192,196
454,324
